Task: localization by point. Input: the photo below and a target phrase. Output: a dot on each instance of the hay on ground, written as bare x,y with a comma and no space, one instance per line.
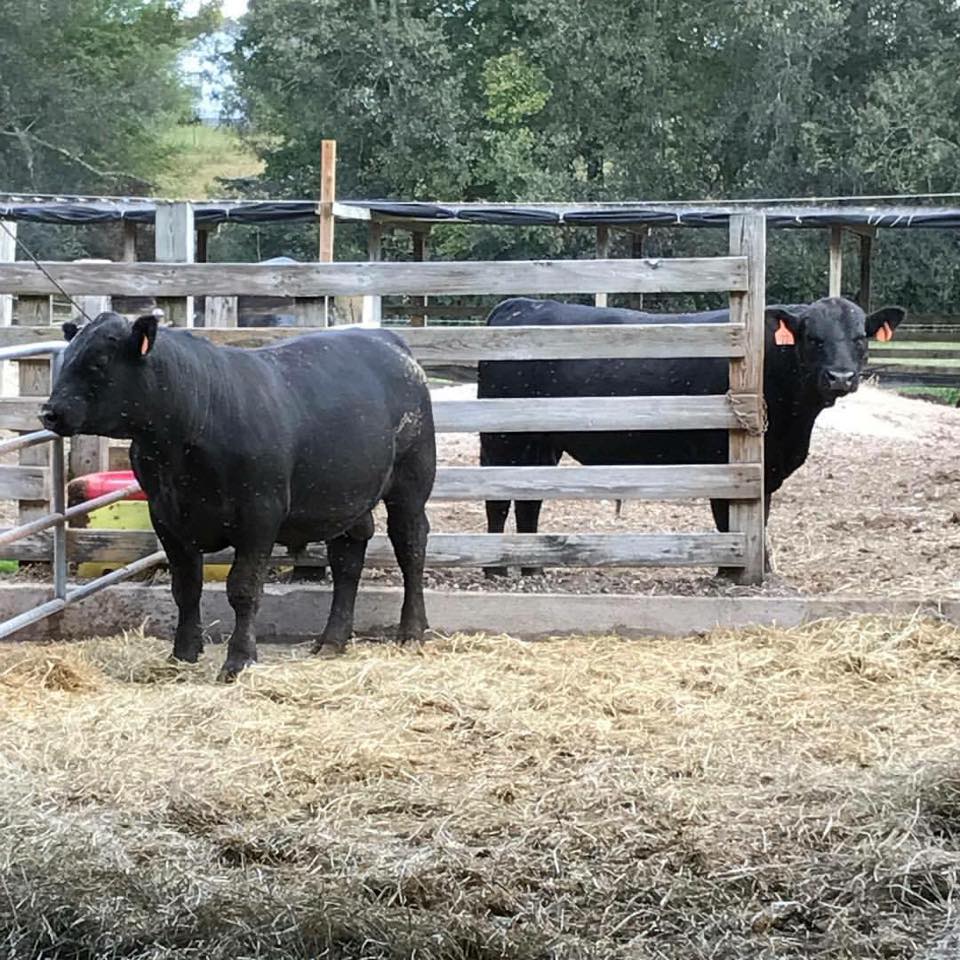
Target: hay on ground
768,793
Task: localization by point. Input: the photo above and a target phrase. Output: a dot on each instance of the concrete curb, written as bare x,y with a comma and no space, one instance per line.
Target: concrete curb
296,612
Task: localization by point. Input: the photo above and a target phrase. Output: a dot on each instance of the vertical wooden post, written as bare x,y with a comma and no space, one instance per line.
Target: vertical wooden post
866,262
748,238
836,261
88,454
129,241
421,252
328,193
603,253
8,254
373,305
175,243
637,252
34,375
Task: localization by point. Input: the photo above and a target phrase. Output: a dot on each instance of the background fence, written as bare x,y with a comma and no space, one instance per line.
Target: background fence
739,411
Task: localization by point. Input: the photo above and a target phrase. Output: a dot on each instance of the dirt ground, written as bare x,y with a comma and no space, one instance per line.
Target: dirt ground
874,511
768,794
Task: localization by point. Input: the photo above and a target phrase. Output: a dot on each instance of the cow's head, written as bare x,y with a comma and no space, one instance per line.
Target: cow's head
830,339
103,380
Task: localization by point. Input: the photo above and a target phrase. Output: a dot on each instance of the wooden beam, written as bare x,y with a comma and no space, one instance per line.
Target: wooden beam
175,243
866,263
421,252
372,310
594,413
602,253
129,241
34,311
8,254
458,344
34,376
748,237
684,275
328,193
836,261
722,480
87,454
443,549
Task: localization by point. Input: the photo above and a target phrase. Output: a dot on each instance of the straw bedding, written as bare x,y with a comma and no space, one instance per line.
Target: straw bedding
768,793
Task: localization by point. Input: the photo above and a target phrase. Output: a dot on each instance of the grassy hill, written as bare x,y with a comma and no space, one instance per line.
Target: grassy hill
198,155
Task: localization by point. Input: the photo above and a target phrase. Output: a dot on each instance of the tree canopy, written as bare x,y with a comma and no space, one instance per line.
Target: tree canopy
606,100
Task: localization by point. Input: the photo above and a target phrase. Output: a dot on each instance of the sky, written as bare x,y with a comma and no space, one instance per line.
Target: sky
199,64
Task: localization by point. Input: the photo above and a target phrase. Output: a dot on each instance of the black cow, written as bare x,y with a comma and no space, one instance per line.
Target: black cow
290,444
815,353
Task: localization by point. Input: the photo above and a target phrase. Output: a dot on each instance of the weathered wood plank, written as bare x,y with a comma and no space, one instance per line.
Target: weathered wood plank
24,483
595,413
836,261
20,413
686,275
443,549
748,237
175,244
466,344
722,480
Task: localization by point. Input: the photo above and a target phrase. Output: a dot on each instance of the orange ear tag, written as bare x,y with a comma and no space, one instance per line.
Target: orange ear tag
144,346
885,333
783,337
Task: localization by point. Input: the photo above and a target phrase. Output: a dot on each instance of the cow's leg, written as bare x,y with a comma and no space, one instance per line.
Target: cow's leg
407,527
527,518
497,513
721,517
186,572
244,590
497,450
345,555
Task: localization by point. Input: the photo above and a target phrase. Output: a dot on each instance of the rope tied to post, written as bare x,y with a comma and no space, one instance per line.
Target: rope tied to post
749,418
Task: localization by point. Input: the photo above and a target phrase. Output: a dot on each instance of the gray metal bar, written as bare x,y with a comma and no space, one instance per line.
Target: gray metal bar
58,500
24,350
27,440
78,510
115,576
47,609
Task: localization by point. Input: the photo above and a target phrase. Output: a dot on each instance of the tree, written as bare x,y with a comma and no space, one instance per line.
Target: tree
84,87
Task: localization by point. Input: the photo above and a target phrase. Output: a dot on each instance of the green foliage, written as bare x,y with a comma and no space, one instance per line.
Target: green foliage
84,87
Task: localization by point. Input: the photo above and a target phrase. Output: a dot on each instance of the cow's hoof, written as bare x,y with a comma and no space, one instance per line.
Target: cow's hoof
329,651
232,669
494,573
531,571
185,656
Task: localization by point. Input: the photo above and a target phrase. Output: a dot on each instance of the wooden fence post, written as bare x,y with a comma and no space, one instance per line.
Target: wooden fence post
373,305
175,243
328,193
603,253
748,238
8,254
866,262
88,454
836,261
34,378
421,252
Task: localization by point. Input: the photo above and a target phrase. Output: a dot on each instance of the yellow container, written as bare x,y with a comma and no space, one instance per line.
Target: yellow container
131,515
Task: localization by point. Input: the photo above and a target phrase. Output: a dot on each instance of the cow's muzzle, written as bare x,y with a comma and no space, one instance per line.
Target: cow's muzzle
838,383
53,419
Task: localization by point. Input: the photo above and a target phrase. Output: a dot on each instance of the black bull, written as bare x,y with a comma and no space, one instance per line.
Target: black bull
815,353
289,444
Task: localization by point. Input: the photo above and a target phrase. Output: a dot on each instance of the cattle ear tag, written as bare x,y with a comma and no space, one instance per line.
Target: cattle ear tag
144,346
783,337
885,333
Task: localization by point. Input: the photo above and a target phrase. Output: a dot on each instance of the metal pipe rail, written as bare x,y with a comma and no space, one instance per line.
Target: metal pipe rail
60,515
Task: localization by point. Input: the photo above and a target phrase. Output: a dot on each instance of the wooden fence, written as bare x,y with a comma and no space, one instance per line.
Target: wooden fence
740,410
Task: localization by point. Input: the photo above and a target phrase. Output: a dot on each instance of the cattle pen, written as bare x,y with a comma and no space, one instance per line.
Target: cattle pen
740,410
582,539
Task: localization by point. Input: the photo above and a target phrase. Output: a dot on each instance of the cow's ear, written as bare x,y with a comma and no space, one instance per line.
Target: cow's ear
881,323
785,324
70,330
143,334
